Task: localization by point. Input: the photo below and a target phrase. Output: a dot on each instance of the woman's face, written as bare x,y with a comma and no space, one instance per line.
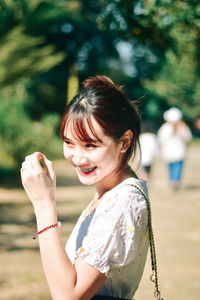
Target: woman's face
94,161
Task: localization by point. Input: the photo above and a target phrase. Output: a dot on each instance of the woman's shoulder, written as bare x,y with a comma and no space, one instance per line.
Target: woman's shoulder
132,184
129,191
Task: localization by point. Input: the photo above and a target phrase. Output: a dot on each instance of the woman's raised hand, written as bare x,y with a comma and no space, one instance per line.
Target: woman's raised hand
38,182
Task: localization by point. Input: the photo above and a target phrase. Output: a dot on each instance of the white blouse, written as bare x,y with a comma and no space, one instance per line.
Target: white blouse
149,148
114,238
173,145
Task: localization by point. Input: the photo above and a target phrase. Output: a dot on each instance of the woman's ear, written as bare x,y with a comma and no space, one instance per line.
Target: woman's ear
125,140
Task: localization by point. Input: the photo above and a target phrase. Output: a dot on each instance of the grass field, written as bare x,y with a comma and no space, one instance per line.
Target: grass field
176,220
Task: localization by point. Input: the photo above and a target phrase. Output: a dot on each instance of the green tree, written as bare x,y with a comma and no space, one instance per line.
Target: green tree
91,33
177,83
149,46
21,56
19,136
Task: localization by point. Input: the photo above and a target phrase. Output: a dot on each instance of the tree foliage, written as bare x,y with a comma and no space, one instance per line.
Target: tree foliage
149,46
177,83
19,136
22,56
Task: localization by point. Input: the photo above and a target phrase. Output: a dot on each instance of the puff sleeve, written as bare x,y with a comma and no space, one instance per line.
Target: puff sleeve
116,232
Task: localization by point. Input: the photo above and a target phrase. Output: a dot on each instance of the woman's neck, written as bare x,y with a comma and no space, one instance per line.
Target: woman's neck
113,180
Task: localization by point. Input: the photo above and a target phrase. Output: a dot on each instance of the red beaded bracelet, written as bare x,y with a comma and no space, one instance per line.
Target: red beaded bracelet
47,228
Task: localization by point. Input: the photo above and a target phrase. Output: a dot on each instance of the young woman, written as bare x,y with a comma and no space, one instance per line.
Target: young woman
106,252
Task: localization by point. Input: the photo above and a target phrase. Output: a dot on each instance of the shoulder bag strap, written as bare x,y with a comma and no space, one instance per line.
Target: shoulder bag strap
154,276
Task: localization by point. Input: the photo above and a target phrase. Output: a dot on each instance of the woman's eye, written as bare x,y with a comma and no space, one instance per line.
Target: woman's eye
90,146
67,142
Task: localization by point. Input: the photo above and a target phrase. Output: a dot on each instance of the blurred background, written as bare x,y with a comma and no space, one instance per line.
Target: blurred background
46,49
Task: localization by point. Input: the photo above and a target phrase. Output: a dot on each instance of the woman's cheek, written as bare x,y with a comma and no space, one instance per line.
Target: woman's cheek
66,152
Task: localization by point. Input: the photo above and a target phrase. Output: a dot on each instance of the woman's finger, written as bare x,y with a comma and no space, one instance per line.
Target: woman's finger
24,167
35,161
28,162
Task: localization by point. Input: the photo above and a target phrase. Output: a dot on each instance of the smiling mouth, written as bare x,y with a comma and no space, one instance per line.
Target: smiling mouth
86,171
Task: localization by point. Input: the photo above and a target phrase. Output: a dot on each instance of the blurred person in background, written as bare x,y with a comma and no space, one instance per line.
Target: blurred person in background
197,123
106,252
197,127
149,150
173,137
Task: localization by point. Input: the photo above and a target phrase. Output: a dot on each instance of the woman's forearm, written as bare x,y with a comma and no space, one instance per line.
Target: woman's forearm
66,281
58,269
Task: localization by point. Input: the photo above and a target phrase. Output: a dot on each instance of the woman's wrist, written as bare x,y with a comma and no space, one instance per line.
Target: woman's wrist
49,227
45,215
44,206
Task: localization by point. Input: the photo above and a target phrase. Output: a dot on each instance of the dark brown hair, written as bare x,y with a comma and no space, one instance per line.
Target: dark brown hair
109,106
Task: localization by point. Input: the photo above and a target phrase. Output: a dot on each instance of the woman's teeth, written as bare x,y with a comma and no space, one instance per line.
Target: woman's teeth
86,170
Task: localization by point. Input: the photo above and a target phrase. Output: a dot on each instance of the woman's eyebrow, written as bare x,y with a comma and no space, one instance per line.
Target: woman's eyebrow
91,141
66,138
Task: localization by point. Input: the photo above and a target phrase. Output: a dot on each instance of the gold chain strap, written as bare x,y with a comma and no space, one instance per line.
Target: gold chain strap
154,275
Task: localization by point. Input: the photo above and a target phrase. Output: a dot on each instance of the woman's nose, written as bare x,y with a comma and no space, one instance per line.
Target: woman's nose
79,158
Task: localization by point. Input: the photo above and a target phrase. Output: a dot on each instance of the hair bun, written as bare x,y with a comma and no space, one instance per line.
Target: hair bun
99,82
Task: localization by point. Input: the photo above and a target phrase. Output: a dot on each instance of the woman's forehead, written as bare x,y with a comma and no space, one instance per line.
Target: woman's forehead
83,129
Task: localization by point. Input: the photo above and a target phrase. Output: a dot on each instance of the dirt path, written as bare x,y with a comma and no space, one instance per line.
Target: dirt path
176,219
